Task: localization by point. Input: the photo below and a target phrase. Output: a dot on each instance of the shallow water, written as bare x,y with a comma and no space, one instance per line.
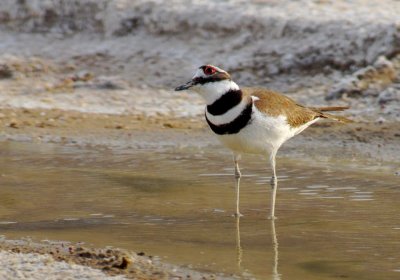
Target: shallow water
333,221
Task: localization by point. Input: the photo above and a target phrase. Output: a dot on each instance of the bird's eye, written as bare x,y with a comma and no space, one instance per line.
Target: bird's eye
208,70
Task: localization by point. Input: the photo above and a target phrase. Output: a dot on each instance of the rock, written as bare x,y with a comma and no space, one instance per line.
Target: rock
119,126
385,71
391,94
348,86
5,72
124,263
366,81
83,76
13,124
110,83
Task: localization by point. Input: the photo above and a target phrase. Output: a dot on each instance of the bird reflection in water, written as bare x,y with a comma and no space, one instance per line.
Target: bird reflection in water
239,251
275,275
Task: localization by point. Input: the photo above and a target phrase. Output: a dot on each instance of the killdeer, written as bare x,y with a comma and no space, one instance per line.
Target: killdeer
252,120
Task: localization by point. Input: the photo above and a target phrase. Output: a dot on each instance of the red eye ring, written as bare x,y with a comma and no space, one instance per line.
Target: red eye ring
208,70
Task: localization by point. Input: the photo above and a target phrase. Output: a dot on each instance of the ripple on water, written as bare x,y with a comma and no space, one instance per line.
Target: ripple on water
318,187
213,174
308,192
333,189
360,193
361,196
288,188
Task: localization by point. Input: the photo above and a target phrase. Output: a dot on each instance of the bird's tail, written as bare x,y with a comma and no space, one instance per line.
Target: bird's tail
341,119
336,118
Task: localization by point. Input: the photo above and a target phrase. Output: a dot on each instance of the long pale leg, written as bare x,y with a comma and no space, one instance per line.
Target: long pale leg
274,184
237,179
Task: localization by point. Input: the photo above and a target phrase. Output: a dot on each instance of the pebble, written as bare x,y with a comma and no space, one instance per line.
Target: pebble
5,72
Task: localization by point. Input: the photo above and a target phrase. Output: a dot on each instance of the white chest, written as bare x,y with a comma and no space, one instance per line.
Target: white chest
261,136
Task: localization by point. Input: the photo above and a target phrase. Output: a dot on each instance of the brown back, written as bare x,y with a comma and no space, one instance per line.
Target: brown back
275,104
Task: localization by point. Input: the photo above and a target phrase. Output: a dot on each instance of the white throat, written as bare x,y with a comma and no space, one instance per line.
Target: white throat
214,90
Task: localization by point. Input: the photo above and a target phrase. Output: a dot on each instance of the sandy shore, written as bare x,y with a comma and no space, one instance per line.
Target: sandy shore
37,266
25,259
375,140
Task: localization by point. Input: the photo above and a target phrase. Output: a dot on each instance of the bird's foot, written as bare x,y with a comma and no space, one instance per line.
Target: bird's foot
272,217
273,181
237,215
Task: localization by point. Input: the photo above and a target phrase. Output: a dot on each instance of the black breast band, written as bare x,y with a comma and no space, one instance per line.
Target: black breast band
226,102
237,124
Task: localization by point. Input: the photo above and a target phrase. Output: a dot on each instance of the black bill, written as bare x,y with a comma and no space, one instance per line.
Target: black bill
185,86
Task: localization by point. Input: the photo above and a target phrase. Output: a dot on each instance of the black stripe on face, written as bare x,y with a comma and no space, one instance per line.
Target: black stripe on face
236,125
226,102
211,79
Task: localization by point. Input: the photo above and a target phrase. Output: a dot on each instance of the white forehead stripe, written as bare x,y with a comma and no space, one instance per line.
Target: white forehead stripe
199,73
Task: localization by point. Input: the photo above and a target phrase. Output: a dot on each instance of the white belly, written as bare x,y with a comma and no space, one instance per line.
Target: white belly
263,135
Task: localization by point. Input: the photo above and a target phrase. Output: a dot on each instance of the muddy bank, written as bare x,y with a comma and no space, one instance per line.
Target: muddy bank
65,259
377,141
372,92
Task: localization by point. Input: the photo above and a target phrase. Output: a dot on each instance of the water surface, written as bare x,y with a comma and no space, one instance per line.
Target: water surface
334,222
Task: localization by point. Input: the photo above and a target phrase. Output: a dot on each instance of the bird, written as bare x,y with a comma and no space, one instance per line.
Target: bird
252,120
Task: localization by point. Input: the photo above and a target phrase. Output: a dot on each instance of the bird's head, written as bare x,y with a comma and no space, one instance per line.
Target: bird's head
210,82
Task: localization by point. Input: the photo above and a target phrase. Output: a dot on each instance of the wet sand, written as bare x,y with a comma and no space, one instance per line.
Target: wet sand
375,140
111,261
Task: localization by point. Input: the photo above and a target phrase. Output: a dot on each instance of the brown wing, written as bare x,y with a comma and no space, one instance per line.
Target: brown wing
275,104
329,109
